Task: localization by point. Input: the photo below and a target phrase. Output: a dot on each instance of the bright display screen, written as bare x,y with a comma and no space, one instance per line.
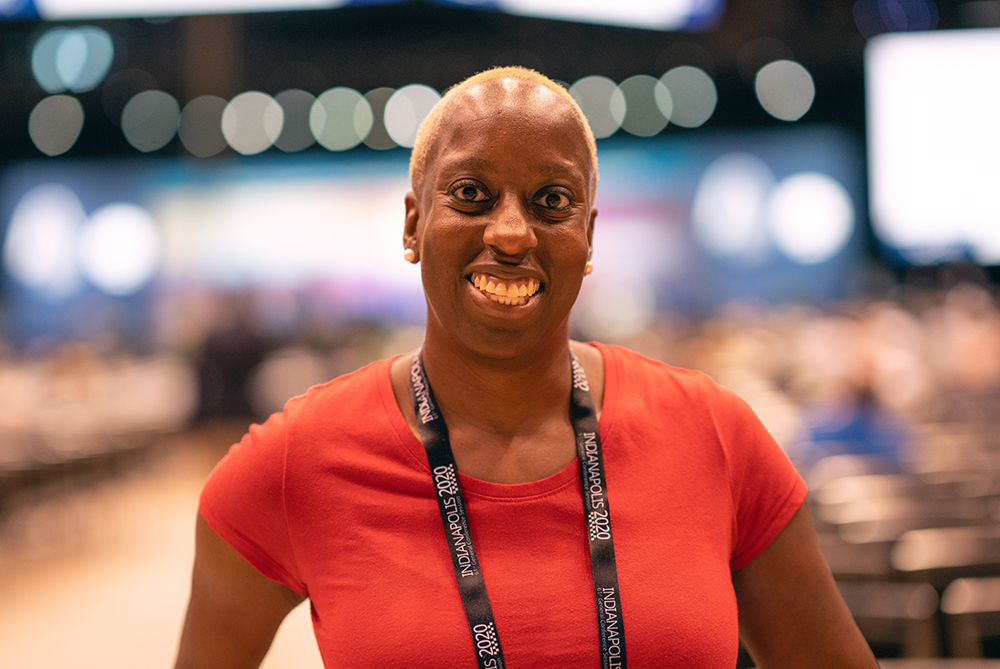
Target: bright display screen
933,138
665,15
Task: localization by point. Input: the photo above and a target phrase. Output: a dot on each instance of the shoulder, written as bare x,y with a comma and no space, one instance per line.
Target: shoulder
346,395
633,371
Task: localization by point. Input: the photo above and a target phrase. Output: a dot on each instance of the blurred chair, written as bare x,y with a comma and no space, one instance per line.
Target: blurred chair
897,613
972,611
853,560
940,555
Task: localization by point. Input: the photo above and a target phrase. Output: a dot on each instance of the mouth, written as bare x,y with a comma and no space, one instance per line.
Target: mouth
514,292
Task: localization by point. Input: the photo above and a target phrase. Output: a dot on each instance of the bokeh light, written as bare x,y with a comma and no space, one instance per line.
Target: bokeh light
119,248
378,137
810,217
785,89
728,214
692,96
200,127
251,122
295,133
149,120
340,118
39,247
75,59
55,124
406,110
643,116
602,102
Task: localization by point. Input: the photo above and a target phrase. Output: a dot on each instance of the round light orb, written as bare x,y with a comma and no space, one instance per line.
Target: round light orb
785,89
75,59
406,110
55,124
149,120
692,94
730,204
43,60
295,133
38,251
810,217
251,122
378,137
200,127
340,118
643,116
119,248
602,102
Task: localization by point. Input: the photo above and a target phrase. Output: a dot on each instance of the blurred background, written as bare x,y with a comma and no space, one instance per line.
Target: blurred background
201,213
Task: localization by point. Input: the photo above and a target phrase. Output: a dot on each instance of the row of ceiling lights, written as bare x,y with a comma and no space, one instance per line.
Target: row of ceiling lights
342,118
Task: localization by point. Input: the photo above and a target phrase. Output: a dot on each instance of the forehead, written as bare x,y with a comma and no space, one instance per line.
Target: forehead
511,121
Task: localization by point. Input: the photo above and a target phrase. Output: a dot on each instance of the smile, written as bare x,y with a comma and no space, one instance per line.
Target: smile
512,292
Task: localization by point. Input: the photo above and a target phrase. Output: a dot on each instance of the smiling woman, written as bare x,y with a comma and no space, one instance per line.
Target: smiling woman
505,496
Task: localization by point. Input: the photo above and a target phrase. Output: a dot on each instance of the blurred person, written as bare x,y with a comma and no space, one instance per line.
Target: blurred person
229,356
455,505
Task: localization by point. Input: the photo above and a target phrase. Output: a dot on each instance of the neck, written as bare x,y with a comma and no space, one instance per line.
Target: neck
504,396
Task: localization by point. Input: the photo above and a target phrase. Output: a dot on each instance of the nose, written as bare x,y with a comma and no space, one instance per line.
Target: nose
509,231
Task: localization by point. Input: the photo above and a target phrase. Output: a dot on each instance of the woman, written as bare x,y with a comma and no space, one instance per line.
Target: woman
632,546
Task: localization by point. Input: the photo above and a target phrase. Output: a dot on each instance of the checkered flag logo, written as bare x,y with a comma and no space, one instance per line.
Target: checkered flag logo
592,525
491,635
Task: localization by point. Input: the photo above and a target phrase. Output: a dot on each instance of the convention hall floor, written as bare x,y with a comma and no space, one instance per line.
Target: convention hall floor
96,576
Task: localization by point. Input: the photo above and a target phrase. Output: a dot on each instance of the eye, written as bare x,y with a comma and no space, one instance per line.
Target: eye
553,199
470,191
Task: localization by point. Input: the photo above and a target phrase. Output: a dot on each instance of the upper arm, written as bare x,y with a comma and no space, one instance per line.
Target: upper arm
234,610
791,613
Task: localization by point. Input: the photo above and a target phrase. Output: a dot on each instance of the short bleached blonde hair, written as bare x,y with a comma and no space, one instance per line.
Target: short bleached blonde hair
431,126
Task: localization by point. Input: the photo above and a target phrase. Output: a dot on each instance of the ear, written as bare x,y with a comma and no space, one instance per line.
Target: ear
413,225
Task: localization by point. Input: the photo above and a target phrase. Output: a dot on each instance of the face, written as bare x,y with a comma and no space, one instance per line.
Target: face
502,224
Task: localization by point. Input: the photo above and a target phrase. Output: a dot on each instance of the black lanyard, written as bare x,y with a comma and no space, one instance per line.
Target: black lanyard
583,415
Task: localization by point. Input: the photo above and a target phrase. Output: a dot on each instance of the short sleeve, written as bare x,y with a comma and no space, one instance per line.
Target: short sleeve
243,501
767,490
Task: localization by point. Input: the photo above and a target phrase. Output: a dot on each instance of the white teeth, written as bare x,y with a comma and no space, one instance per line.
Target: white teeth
517,301
511,293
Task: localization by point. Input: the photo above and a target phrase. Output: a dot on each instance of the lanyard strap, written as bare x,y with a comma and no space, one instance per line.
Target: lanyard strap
434,434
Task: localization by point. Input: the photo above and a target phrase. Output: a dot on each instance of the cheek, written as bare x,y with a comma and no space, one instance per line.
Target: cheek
569,246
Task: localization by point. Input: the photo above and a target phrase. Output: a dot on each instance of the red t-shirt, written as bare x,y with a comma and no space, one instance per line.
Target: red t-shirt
333,497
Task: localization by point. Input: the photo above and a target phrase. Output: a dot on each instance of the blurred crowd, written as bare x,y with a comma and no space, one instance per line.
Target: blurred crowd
864,377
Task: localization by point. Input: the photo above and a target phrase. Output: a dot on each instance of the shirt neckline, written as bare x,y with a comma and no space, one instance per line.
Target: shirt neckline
488,489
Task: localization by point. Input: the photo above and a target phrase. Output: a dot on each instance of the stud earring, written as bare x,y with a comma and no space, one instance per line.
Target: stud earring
588,268
410,255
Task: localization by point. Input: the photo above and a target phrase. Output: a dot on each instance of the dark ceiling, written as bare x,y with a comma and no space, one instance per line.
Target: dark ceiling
418,42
